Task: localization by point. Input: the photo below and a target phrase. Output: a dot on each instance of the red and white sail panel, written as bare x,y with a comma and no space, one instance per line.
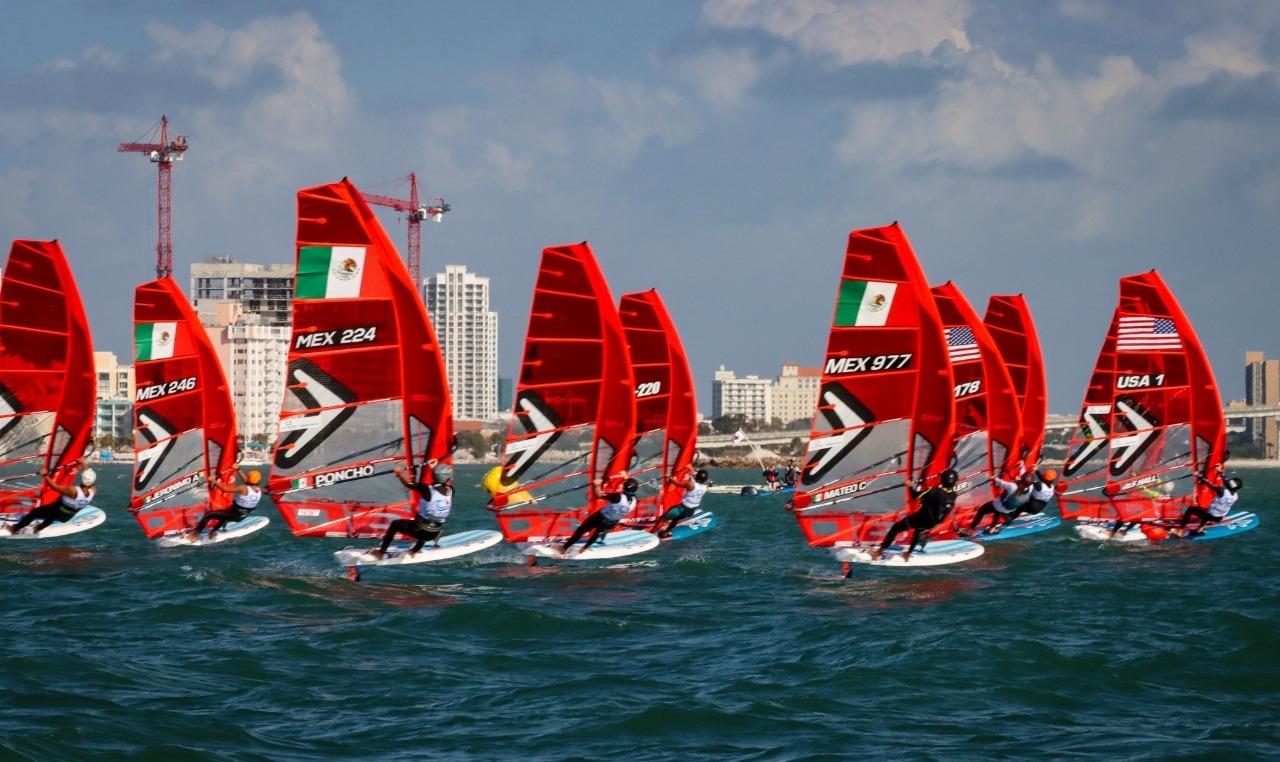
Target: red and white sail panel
666,409
1152,415
1009,322
366,386
184,425
48,389
988,420
884,409
575,406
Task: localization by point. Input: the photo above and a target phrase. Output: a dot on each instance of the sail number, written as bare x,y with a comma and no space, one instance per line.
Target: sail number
840,365
347,336
1138,382
968,388
166,388
648,389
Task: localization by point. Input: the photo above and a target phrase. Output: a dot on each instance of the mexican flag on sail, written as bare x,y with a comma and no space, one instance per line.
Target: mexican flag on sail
329,272
872,303
160,341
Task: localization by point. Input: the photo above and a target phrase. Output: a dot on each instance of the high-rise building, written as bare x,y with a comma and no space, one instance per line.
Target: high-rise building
748,396
114,415
1262,387
458,303
795,393
265,291
254,356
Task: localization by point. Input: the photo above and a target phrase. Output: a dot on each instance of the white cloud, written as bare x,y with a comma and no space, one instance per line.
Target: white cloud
720,77
850,32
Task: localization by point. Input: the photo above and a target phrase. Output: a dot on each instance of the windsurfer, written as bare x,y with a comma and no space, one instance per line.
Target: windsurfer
1225,496
1012,496
71,498
694,488
792,474
435,501
1042,491
934,505
616,507
244,499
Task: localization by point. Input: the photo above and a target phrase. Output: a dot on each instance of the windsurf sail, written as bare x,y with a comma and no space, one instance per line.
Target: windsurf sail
666,408
184,425
1009,322
1151,418
366,389
988,420
575,406
48,389
884,410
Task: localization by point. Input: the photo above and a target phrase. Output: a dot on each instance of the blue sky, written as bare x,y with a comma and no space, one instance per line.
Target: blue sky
719,151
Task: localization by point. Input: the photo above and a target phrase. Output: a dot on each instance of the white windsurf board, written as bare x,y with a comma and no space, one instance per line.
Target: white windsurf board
232,531
933,554
449,546
625,542
85,518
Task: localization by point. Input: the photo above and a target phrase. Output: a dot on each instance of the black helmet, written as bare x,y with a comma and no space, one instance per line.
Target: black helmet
949,477
630,486
1234,484
700,476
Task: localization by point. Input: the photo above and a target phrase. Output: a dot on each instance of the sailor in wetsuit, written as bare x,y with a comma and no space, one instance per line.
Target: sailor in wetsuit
71,498
935,504
243,501
435,501
1012,497
694,489
616,507
1224,497
1042,491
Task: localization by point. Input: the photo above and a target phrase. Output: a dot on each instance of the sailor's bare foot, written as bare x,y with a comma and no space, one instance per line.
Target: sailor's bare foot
378,553
190,536
211,535
875,554
8,529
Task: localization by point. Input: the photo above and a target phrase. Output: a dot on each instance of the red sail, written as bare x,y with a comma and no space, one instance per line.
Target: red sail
48,390
1151,418
988,420
367,389
575,409
1009,322
184,423
884,408
666,408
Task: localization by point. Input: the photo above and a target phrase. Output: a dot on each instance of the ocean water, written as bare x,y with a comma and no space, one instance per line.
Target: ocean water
740,644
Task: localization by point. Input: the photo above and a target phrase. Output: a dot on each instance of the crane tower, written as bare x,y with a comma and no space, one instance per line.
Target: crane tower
162,154
416,213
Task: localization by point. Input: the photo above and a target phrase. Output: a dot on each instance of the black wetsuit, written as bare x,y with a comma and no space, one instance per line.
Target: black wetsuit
935,505
46,515
228,515
598,523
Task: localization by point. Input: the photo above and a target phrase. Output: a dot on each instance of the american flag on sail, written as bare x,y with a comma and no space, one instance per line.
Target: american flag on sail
1145,333
961,345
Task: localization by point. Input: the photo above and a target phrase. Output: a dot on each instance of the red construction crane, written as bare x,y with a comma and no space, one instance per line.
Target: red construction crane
163,154
416,213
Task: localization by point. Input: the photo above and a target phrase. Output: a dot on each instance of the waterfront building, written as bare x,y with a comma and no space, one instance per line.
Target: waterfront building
458,303
114,415
748,396
254,354
795,393
1262,388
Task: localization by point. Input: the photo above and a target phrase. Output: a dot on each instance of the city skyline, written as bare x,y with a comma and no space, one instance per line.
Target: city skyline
719,151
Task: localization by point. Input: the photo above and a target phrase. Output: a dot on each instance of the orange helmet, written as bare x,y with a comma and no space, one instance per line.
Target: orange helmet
253,477
1049,475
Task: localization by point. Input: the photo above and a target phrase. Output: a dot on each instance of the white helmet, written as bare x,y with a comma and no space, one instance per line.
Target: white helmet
88,477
